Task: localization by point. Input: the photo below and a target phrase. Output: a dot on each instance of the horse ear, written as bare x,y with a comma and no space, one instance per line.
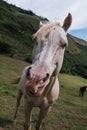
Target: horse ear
43,22
40,24
67,22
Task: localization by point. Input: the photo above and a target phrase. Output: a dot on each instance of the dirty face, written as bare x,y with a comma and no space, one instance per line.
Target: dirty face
37,79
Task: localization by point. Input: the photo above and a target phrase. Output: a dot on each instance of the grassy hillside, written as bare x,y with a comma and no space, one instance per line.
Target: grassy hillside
75,57
16,29
69,112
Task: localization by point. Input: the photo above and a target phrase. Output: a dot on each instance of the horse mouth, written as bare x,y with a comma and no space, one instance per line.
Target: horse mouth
35,85
36,94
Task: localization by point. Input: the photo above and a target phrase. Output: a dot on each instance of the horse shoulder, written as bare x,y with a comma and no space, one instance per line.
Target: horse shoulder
23,79
54,93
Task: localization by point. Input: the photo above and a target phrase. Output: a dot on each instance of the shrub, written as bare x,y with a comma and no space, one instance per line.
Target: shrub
4,47
28,59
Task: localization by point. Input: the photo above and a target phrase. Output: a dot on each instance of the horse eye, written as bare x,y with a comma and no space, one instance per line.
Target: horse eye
35,40
47,35
64,45
36,43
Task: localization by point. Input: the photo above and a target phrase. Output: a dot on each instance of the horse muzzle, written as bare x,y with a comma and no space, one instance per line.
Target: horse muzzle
35,86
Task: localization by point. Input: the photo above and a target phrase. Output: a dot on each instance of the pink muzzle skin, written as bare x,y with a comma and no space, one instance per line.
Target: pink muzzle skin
34,88
37,79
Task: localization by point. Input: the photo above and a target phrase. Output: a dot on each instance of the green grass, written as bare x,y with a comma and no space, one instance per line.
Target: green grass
70,110
72,48
68,113
16,29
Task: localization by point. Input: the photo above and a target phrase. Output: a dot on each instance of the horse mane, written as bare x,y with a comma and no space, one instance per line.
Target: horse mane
45,29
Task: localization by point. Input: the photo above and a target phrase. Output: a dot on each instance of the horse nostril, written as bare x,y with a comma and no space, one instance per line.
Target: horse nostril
28,72
47,76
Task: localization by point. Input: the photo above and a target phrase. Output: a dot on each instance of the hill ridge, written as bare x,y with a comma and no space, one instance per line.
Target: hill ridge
16,29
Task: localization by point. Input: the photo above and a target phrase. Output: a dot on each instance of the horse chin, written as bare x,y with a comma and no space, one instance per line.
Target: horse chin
36,94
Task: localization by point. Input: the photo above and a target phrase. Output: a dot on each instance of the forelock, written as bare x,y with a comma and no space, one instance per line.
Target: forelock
45,29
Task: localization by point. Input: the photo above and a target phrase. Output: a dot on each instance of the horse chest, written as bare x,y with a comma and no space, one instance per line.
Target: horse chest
38,101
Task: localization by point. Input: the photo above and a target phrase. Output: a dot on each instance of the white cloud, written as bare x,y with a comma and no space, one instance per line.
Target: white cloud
57,10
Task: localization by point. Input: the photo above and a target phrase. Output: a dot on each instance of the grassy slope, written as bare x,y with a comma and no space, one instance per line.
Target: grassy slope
75,58
16,29
69,112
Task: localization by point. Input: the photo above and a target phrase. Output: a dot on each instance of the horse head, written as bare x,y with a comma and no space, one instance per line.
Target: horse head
50,42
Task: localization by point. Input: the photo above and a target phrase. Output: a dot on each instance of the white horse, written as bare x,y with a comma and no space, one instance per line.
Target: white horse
39,82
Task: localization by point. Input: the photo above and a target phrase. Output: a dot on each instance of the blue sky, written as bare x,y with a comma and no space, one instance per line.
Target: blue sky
57,10
80,33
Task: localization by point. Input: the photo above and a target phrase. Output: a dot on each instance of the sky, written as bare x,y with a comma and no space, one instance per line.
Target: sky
57,10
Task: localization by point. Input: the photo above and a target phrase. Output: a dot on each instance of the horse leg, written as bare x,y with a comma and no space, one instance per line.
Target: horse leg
18,102
43,112
82,93
28,108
